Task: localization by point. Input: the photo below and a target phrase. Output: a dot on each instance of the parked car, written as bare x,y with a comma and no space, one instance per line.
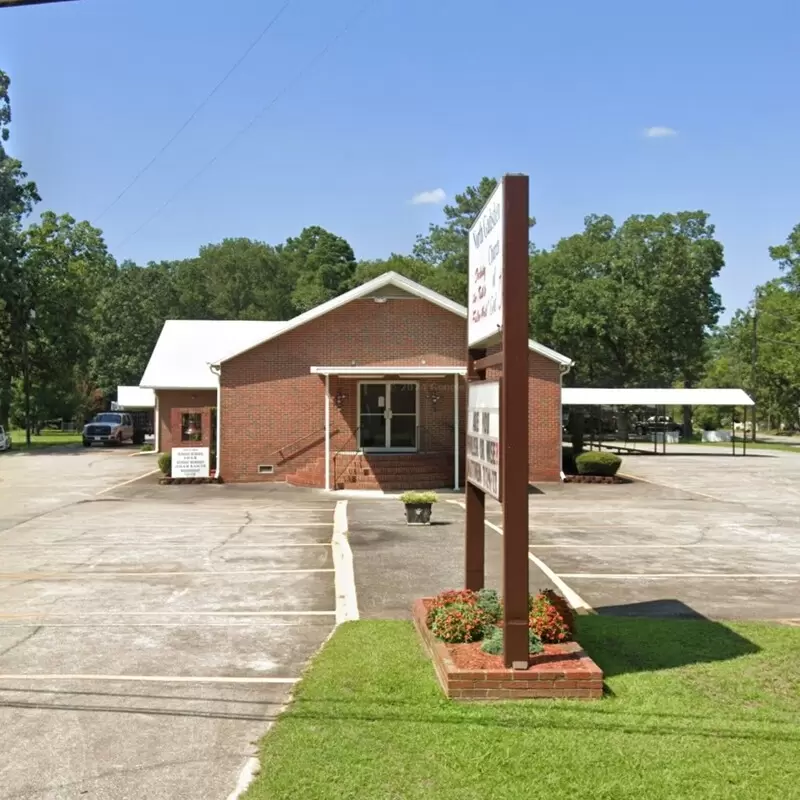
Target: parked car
110,427
5,440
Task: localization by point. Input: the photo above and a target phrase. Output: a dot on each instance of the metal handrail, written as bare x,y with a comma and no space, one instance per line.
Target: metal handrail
354,435
294,442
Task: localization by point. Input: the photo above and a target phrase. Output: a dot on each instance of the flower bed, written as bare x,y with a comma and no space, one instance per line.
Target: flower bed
466,672
595,479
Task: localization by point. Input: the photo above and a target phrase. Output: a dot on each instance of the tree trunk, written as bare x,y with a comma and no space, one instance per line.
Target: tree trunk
687,422
575,427
5,400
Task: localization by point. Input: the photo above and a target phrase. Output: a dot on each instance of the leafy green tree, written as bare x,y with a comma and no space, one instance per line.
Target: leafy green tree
245,279
446,247
319,264
788,257
128,318
65,268
17,197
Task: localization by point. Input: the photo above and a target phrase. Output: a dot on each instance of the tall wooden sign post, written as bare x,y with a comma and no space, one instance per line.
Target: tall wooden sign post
497,418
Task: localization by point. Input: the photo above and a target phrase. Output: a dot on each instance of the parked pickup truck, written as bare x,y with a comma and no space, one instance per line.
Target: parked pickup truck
110,427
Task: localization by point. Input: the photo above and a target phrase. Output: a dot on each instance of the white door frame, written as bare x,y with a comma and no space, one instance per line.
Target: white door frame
388,408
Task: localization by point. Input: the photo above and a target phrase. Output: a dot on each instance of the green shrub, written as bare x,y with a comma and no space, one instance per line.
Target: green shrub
597,463
418,497
460,622
490,602
146,448
165,463
493,642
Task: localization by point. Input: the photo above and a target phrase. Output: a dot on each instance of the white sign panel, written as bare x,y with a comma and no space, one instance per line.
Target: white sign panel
486,271
190,462
483,436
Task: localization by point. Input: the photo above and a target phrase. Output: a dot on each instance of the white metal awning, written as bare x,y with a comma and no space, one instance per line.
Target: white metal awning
390,371
655,397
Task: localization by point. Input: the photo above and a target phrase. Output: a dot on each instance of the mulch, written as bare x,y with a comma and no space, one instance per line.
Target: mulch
470,657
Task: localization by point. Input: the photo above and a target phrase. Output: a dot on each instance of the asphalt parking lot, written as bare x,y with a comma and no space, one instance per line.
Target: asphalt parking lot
707,535
149,634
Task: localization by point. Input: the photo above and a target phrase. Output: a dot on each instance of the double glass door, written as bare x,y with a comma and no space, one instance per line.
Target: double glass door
388,416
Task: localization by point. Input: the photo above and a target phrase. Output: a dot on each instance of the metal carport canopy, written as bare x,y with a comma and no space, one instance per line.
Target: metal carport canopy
655,397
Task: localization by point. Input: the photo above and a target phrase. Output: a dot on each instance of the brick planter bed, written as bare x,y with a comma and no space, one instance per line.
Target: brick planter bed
465,672
595,479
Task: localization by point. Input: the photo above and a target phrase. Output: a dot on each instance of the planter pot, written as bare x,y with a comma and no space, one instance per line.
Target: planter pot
418,513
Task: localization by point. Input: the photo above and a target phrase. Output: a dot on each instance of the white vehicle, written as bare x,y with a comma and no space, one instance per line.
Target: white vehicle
108,428
5,440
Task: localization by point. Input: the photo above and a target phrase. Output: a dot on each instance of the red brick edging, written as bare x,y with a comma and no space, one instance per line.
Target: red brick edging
583,679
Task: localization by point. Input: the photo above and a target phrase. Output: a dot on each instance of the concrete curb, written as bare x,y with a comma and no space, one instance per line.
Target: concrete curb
346,609
344,575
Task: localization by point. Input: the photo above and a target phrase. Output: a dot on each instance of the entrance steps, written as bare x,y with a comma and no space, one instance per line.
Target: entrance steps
389,472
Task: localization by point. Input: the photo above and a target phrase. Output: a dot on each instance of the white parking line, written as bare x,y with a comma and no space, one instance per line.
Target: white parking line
125,483
701,545
39,615
572,597
60,576
147,678
772,576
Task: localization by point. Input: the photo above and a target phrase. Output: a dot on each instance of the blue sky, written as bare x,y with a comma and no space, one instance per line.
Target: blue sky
417,96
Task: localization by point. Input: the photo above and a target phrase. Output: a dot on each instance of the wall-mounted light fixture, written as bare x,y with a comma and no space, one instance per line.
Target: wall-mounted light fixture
433,395
340,398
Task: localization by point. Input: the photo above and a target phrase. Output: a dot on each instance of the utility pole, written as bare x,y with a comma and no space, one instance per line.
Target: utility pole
754,364
26,374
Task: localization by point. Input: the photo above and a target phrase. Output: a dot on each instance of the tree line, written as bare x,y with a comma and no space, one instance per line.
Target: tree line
632,303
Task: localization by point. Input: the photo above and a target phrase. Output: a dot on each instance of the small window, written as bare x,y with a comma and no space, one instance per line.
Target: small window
266,469
191,427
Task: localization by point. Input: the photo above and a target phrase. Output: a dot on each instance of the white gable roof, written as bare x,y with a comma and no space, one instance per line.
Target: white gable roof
186,348
387,279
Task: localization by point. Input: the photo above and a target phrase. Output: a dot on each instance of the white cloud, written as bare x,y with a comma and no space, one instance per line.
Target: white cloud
432,197
659,132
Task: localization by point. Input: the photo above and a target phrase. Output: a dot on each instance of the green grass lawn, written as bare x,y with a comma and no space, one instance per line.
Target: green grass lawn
46,439
695,710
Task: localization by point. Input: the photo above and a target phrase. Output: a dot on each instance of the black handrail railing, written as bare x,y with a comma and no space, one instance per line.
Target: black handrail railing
280,450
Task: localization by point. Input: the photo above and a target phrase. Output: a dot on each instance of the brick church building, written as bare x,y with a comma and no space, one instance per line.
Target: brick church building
366,391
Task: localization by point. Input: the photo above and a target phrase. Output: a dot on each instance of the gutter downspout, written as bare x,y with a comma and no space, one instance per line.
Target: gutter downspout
563,370
216,369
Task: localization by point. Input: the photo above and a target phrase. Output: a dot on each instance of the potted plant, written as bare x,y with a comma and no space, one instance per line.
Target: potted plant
418,506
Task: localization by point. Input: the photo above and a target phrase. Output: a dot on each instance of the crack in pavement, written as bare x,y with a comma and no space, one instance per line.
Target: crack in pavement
24,639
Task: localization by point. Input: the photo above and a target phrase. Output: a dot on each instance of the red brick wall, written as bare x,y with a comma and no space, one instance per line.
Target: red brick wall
544,417
273,408
169,401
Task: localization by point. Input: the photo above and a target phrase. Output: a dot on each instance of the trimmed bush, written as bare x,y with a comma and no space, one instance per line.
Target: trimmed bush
146,448
418,497
493,642
550,617
165,463
597,463
460,622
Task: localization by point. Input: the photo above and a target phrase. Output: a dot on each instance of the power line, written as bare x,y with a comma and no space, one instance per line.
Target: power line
298,77
264,31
